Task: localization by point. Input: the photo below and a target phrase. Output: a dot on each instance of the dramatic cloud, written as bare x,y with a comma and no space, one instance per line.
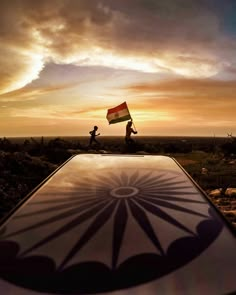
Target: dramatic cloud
183,36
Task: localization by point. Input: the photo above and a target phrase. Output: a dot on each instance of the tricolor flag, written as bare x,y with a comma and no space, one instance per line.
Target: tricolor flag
118,114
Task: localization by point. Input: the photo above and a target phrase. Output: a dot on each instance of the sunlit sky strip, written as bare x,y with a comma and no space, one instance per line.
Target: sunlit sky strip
64,63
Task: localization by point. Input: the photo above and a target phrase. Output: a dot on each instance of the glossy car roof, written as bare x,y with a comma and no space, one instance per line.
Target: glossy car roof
128,224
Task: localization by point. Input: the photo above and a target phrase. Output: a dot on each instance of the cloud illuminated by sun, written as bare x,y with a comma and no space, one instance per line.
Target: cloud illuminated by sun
189,66
163,37
96,56
101,57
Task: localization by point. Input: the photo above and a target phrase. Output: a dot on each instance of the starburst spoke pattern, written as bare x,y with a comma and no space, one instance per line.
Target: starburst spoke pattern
91,231
175,199
141,192
119,228
73,204
117,221
58,217
171,206
144,223
160,213
69,226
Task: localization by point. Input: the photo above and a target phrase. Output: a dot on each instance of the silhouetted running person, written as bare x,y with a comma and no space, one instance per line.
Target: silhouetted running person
129,131
93,135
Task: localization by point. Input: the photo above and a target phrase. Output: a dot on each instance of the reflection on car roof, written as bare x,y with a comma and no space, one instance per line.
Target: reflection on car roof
123,223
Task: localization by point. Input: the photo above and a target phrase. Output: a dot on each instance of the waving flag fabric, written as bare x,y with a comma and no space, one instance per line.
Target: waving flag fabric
118,114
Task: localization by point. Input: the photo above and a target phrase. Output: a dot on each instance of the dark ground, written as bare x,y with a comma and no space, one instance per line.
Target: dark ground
25,162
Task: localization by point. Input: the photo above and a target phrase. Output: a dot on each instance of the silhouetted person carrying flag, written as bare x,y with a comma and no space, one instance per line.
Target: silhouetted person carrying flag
129,131
93,135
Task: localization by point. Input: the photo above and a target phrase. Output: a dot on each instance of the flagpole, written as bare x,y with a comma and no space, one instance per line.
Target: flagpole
131,118
133,125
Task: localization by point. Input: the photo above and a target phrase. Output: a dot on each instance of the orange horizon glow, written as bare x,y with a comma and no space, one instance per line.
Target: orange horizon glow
64,65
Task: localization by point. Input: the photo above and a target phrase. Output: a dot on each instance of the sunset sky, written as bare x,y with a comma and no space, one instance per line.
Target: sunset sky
63,63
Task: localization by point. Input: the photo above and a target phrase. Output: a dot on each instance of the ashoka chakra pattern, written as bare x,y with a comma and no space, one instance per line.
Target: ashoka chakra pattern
111,231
